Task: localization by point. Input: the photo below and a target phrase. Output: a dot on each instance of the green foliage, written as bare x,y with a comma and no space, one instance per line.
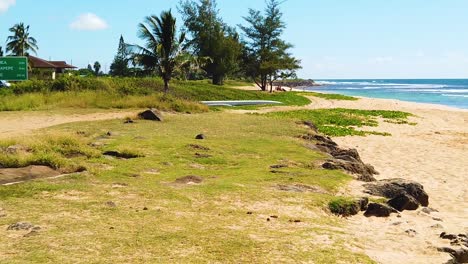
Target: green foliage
20,42
212,38
93,92
97,68
119,66
164,50
266,55
344,206
342,122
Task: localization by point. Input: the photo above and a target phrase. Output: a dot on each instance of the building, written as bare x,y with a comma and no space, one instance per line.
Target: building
47,69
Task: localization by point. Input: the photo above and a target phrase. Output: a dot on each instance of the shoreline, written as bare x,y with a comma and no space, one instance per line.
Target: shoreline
434,106
432,152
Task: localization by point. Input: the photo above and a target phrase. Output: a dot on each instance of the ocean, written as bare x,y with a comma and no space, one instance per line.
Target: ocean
449,92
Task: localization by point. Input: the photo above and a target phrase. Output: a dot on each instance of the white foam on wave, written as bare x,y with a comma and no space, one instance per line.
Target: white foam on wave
456,95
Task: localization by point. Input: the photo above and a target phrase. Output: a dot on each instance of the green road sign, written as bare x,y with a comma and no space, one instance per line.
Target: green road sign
13,68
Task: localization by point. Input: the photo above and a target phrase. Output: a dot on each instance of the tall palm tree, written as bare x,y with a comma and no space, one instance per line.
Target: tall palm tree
164,50
20,42
1,52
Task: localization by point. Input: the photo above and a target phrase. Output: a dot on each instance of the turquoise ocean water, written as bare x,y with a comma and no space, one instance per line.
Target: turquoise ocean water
449,92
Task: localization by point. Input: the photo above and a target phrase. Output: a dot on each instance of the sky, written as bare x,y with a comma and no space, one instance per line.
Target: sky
334,39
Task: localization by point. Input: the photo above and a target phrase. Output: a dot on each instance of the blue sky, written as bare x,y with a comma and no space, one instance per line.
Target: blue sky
333,38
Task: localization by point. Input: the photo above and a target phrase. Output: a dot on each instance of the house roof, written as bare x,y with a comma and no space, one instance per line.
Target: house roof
40,63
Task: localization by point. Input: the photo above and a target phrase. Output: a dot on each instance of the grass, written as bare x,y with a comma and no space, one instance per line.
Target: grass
122,93
344,206
156,220
53,150
343,122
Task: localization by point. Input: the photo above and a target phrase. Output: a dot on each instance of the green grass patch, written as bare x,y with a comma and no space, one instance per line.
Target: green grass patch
343,122
344,206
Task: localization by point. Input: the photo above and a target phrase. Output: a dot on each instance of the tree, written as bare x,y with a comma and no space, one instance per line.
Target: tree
1,51
97,68
119,66
90,68
164,51
212,38
20,43
266,55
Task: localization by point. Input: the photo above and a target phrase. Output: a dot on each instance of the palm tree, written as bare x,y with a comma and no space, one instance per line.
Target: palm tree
20,42
163,51
1,52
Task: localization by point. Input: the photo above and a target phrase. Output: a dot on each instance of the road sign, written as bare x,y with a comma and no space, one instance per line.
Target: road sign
13,68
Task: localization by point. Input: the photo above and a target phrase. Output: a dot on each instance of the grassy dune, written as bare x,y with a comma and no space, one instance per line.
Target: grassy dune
237,214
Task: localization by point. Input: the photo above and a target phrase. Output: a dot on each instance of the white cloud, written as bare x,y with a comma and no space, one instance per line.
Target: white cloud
5,4
88,21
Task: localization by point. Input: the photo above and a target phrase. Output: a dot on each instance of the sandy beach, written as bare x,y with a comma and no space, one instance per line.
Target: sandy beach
434,153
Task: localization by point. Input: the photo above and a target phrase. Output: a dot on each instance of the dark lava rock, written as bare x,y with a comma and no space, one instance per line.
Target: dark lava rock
391,188
191,179
200,136
363,203
459,255
364,171
21,226
117,154
403,202
310,125
379,210
278,166
151,114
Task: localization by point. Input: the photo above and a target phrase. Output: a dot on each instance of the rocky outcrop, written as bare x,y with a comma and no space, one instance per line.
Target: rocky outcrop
379,210
342,159
151,114
403,202
396,188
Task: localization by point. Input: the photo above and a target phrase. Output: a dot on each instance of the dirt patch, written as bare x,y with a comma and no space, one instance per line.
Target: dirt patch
198,147
12,175
191,179
300,188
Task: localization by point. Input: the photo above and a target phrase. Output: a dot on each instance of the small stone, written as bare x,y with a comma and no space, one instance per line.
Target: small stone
437,219
411,232
437,226
200,136
109,133
145,208
268,219
129,121
249,213
111,204
397,223
428,210
20,226
151,114
274,216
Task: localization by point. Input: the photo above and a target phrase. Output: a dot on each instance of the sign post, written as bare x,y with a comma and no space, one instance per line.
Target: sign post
14,68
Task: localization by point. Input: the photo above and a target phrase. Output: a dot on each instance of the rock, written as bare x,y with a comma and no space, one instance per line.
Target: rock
109,133
391,188
459,255
191,179
411,232
117,154
310,125
444,235
437,219
364,171
403,202
21,226
438,226
200,137
151,114
12,175
428,210
129,121
363,203
379,210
